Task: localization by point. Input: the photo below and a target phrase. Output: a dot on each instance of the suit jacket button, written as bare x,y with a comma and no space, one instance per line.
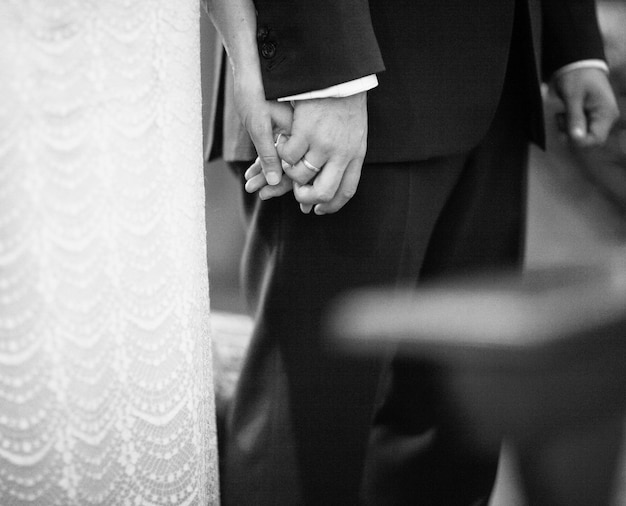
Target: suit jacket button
268,50
261,33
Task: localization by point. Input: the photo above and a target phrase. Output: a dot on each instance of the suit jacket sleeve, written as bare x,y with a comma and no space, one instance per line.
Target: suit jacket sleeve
570,33
306,45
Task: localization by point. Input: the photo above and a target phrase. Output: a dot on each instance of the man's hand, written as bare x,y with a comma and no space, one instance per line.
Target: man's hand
325,151
590,105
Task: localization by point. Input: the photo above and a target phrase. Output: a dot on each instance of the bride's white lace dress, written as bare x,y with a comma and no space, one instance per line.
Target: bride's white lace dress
105,369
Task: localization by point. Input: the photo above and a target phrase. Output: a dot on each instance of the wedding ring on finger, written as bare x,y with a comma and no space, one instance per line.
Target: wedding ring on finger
309,165
277,139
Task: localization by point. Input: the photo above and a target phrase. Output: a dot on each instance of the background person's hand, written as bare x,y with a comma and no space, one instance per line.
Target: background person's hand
590,105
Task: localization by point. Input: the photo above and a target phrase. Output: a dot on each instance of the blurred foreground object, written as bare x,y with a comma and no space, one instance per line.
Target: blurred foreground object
537,359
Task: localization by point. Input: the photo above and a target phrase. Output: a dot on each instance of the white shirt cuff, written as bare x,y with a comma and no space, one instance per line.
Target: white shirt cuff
582,64
339,90
371,81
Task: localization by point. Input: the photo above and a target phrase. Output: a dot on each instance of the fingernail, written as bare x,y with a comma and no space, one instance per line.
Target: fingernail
272,179
306,208
285,165
318,211
578,132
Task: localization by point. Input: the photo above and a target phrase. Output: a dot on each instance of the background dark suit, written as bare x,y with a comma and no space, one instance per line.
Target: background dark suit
440,126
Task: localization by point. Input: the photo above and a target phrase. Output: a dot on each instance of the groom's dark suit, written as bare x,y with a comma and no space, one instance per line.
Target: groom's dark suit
441,191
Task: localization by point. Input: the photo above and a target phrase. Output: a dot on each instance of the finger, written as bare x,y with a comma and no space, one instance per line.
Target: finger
345,192
305,208
576,119
257,182
270,192
324,186
281,138
599,129
293,149
307,168
263,139
602,117
282,117
253,170
556,118
255,179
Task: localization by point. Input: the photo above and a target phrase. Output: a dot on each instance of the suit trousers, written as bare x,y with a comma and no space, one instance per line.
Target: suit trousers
298,427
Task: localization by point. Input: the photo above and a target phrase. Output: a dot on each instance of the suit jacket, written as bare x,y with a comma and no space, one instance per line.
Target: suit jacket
444,61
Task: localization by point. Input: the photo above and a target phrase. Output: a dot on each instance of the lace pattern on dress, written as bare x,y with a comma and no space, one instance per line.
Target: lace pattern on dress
105,369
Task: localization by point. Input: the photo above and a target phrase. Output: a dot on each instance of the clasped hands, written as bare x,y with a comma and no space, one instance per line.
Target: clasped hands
318,154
